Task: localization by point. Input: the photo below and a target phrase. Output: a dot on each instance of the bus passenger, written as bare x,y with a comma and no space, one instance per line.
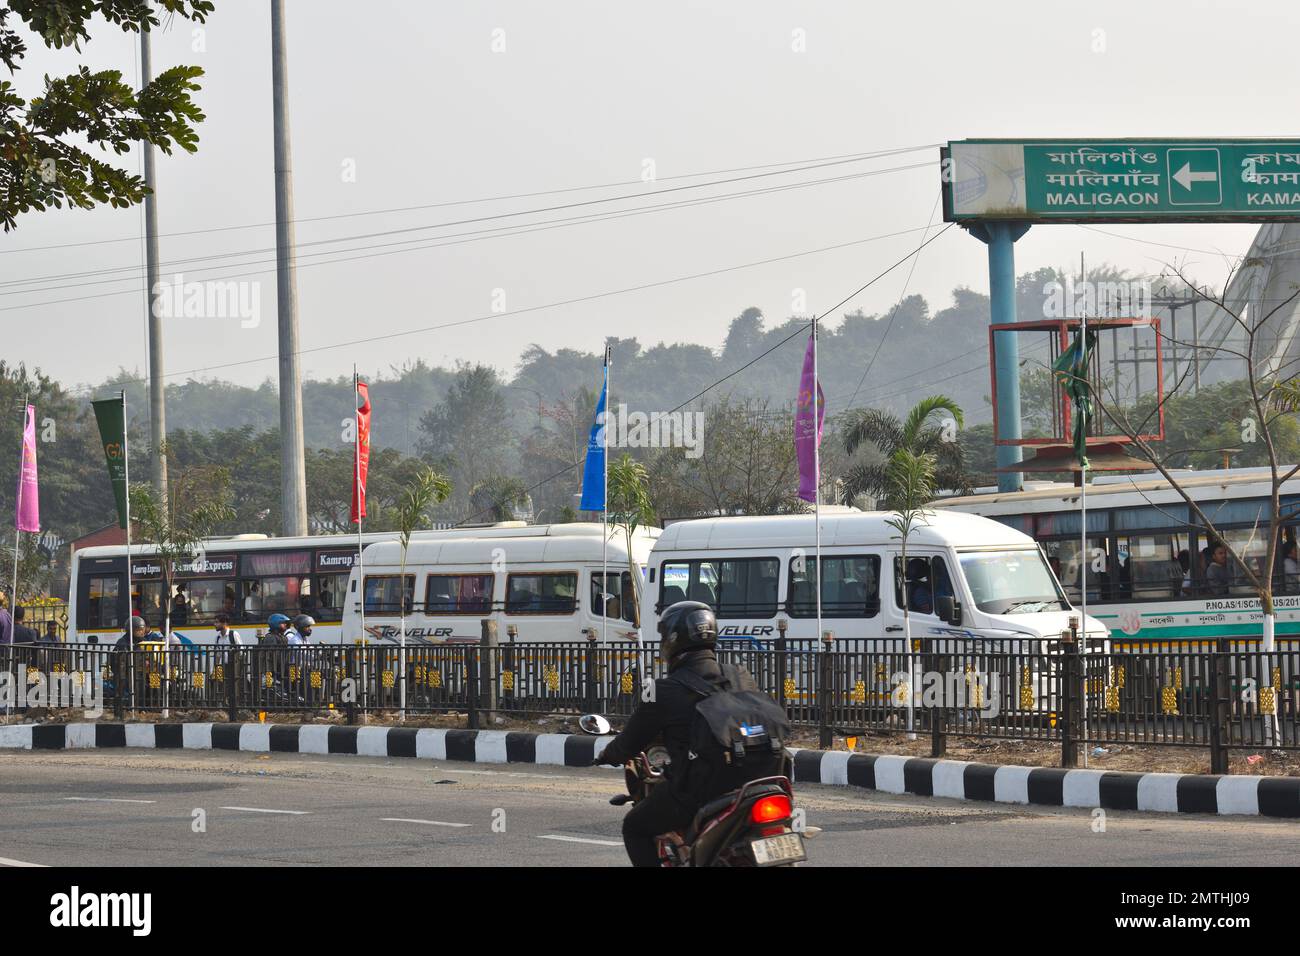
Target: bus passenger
1217,575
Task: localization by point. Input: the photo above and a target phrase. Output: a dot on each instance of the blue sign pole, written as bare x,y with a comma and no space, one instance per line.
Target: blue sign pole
1001,239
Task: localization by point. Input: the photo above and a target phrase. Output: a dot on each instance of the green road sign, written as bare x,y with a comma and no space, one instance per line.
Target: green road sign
1125,180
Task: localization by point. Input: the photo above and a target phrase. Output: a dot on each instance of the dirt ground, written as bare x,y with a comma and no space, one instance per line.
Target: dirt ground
1009,752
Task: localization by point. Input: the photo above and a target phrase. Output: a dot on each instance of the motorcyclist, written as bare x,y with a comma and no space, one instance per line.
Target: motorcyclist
302,625
277,625
689,636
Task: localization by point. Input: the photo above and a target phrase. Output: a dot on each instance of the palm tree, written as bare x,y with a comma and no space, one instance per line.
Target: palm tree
427,488
910,486
631,508
923,432
498,496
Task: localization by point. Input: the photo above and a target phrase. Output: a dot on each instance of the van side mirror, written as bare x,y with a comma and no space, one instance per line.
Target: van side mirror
948,609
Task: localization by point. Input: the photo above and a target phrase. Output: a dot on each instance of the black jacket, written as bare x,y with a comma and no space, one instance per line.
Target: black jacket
668,715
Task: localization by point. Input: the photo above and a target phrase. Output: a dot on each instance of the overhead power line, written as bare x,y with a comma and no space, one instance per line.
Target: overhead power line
484,199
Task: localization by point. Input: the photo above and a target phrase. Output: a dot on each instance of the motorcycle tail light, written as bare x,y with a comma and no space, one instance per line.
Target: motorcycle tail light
770,809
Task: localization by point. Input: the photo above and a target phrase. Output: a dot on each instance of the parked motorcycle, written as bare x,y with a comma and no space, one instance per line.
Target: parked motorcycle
751,826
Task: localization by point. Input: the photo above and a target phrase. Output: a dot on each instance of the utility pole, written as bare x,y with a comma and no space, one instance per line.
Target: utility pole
293,471
157,398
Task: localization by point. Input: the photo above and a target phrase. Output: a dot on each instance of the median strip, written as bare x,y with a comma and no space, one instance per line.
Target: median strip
920,776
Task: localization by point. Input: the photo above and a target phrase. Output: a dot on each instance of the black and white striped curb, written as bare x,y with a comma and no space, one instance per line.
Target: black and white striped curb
926,777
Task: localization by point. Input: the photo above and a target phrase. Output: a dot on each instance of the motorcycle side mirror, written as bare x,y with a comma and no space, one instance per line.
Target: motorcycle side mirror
594,724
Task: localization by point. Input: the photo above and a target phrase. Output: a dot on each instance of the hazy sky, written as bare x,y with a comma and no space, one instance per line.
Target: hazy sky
398,103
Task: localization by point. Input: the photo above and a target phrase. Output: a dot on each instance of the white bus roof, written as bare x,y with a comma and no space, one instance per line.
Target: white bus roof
578,541
1122,491
843,528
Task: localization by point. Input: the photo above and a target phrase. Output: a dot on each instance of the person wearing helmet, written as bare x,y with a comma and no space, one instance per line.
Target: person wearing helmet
302,625
276,626
688,634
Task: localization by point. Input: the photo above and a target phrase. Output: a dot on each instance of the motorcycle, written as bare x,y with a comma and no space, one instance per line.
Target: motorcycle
751,826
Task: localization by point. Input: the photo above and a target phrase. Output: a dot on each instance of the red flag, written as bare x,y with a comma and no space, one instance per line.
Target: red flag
361,458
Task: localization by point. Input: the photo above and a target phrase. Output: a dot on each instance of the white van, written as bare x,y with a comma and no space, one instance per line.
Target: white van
545,580
968,577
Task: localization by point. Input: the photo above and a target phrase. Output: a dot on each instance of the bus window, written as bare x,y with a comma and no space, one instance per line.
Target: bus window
1063,556
1149,567
147,600
542,593
382,594
102,603
332,588
205,598
618,605
851,587
458,594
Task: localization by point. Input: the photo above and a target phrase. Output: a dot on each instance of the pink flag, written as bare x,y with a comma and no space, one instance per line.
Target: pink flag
807,437
29,508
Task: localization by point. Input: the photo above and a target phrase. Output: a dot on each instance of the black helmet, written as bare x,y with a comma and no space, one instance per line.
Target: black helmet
687,626
303,622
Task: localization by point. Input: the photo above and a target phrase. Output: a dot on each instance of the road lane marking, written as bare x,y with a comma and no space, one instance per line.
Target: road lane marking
569,839
107,800
297,813
430,823
5,861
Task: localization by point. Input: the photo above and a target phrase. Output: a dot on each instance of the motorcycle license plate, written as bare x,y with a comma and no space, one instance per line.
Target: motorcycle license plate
786,848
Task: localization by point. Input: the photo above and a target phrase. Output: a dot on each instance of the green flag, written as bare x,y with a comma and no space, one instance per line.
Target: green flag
1072,373
110,413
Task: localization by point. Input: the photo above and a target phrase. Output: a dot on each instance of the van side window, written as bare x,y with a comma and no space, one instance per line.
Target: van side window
850,586
458,594
927,578
542,593
618,594
384,595
733,587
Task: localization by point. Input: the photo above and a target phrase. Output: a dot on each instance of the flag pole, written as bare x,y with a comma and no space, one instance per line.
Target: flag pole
1083,521
356,464
130,609
22,467
604,517
817,480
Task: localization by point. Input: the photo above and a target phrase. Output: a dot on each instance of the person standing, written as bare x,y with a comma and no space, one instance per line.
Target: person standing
51,635
22,634
226,632
6,622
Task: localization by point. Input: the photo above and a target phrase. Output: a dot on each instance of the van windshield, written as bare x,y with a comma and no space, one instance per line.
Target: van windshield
1012,582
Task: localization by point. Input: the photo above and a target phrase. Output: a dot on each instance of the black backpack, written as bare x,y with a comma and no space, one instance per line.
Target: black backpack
737,733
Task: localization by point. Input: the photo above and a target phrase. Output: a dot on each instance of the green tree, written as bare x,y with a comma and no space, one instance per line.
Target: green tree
427,488
44,161
468,436
910,486
630,507
497,498
925,431
196,504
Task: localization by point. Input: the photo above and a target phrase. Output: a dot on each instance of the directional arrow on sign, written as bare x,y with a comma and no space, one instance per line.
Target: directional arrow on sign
1185,177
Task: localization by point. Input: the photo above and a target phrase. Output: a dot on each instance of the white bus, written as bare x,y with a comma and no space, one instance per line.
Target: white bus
1148,554
968,577
544,580
250,576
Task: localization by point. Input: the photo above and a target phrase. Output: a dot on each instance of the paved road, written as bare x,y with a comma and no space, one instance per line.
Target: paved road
138,807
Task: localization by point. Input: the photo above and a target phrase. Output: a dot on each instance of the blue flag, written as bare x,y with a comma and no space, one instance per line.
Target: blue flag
593,472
